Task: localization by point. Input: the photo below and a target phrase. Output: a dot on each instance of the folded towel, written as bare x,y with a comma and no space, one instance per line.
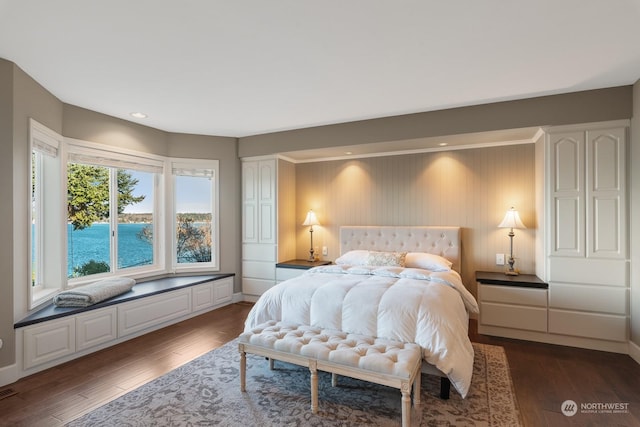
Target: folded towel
84,296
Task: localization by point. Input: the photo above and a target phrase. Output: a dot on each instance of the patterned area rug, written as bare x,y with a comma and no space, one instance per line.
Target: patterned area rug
206,392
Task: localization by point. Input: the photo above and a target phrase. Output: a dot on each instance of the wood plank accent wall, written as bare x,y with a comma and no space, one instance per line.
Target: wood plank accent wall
470,188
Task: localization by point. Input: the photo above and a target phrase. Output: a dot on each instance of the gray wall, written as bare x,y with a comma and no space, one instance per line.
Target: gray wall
635,216
7,352
27,99
578,107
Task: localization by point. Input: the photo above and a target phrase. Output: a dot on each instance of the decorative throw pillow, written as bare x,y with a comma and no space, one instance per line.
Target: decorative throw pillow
388,259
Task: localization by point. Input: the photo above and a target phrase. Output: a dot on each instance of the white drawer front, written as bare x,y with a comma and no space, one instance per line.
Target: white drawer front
288,273
151,312
607,272
259,270
588,298
259,252
256,286
510,316
96,327
514,295
590,325
49,341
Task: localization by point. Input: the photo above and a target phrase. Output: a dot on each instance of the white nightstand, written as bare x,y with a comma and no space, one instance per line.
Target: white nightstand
511,306
295,267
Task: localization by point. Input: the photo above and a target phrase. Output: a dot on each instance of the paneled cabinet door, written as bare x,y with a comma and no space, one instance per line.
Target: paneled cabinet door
606,204
588,208
567,190
259,201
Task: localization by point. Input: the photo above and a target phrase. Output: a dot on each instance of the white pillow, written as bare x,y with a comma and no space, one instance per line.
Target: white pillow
427,261
357,257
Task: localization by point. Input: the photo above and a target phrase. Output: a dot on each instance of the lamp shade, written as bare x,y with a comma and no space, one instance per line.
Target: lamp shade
311,219
511,220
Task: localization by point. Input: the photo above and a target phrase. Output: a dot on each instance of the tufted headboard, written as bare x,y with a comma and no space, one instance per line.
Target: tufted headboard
443,241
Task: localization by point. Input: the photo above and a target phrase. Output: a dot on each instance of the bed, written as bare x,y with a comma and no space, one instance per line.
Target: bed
400,283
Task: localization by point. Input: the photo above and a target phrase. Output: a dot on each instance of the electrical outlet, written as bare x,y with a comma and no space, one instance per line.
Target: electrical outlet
325,251
499,259
1,342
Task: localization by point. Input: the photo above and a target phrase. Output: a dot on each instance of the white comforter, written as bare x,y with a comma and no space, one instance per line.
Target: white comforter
406,304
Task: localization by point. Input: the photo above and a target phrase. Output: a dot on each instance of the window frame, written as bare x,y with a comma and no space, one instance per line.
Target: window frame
90,153
194,167
46,146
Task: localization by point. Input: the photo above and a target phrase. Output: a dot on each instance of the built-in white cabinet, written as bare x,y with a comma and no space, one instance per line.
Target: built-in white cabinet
268,230
55,341
587,257
49,341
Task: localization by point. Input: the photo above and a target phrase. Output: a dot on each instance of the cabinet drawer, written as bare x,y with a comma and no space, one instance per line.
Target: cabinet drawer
256,286
513,316
259,270
96,327
288,273
151,313
513,295
588,298
49,341
590,325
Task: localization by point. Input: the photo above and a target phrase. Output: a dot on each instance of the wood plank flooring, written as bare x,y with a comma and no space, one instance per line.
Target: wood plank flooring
544,375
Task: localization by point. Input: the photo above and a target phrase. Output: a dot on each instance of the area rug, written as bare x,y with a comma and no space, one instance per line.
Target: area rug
206,392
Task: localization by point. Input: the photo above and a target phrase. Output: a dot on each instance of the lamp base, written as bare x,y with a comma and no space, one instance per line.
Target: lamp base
511,273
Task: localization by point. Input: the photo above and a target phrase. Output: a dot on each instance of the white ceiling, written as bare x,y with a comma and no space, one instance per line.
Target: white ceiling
246,67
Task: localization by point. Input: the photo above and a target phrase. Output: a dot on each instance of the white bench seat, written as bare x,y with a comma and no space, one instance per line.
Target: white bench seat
381,361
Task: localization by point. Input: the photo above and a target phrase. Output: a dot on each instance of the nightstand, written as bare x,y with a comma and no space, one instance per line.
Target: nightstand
295,267
511,306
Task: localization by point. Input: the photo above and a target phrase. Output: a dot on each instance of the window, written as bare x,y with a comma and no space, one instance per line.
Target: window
99,211
45,234
111,213
195,208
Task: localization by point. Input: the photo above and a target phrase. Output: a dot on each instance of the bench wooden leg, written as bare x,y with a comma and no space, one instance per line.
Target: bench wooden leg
406,404
243,368
417,383
313,367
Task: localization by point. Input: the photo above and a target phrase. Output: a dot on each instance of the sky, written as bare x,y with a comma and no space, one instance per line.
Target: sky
194,194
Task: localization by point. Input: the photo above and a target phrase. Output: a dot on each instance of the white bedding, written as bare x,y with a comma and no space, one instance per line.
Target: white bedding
407,304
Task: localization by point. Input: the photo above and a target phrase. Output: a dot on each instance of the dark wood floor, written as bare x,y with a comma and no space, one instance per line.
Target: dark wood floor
544,376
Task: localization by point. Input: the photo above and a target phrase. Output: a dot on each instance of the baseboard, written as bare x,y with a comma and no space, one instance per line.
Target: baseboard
237,297
9,375
634,351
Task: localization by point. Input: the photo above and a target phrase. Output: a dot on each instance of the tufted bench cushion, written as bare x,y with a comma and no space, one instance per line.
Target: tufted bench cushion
383,361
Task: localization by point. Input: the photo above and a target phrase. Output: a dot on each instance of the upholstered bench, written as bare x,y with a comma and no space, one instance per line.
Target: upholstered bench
391,363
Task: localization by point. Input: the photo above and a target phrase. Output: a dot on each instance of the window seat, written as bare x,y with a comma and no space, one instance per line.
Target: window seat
140,290
55,335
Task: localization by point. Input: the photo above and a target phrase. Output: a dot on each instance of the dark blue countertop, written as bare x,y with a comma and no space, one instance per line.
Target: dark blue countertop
140,290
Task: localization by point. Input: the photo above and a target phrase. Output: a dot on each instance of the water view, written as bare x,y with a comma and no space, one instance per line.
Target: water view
91,243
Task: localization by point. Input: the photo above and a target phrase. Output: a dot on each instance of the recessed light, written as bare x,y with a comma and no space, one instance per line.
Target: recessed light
348,152
443,144
139,115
